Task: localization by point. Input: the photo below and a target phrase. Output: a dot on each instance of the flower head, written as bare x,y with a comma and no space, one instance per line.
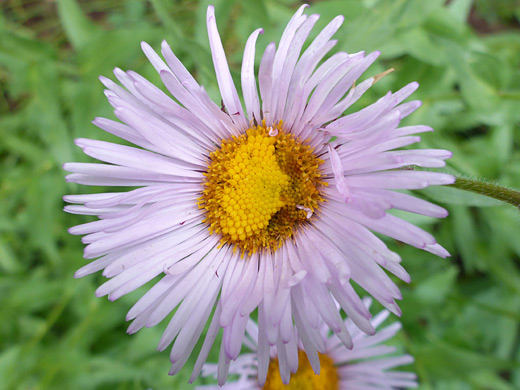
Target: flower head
367,366
269,205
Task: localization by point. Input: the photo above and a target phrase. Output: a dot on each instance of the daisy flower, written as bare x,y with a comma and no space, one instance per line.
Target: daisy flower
270,204
367,366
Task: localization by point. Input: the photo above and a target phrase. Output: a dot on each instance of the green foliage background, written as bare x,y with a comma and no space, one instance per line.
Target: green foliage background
461,315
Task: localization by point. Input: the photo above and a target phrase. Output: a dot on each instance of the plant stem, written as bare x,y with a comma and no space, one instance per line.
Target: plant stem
488,189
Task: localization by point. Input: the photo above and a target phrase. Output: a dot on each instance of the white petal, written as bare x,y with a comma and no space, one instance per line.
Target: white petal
248,78
225,82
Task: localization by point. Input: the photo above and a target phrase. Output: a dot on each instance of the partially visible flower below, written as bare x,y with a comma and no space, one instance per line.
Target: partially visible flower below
251,208
366,366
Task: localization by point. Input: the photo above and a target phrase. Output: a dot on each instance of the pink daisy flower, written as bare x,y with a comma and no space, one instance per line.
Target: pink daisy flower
366,366
267,205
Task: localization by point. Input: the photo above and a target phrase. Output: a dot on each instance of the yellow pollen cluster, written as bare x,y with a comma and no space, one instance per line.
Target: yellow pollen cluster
252,195
305,378
258,187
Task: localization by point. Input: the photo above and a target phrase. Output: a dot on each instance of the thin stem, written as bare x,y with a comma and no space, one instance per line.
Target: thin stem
488,189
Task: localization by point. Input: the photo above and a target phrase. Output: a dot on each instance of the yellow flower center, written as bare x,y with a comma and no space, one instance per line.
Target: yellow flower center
259,187
305,378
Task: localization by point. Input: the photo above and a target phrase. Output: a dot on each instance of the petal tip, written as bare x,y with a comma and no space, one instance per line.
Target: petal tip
339,19
80,142
210,13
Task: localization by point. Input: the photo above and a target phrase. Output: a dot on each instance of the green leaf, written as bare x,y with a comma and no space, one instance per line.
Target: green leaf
466,237
491,70
477,93
463,363
162,10
419,45
460,9
435,289
8,263
79,29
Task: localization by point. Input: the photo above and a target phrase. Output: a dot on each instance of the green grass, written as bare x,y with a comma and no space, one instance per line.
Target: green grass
461,315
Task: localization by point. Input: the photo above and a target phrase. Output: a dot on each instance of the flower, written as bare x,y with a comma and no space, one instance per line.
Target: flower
366,366
270,206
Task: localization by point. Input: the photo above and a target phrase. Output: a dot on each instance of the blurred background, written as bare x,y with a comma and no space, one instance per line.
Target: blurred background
461,315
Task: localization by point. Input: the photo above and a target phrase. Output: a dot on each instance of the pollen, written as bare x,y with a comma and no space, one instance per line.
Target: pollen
259,187
305,378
